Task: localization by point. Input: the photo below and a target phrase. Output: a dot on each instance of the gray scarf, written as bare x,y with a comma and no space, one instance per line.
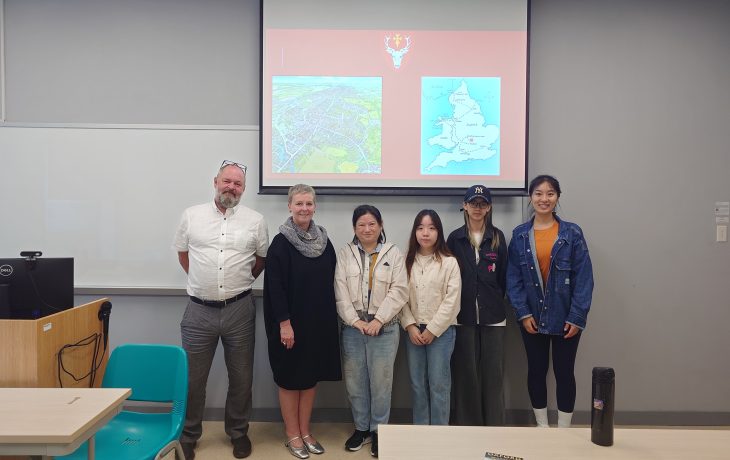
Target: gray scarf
311,243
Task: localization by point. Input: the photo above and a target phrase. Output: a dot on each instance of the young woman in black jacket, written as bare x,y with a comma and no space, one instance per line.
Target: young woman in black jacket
477,364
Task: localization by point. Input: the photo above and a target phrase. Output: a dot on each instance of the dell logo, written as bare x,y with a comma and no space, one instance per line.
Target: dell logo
6,270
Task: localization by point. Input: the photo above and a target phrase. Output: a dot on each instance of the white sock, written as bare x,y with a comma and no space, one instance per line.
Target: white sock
564,419
541,417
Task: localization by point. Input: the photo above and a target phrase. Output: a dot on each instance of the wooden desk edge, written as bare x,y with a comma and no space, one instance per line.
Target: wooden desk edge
65,444
114,408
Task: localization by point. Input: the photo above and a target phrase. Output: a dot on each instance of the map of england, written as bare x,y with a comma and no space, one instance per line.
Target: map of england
466,139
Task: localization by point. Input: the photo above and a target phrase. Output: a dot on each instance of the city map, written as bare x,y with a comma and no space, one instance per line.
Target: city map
326,124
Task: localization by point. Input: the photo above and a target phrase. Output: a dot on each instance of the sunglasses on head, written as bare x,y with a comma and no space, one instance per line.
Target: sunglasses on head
233,163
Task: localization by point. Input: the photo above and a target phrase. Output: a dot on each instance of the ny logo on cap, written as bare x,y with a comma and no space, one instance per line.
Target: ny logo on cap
478,190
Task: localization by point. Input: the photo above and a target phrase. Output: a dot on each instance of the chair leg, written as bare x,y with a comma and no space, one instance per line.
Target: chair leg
179,454
172,445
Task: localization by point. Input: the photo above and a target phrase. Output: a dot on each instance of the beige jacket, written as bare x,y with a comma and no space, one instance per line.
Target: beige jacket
389,290
434,295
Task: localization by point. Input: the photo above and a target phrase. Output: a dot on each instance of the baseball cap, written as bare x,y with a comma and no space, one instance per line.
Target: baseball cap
477,191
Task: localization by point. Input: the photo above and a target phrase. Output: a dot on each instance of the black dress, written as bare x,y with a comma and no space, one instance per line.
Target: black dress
301,289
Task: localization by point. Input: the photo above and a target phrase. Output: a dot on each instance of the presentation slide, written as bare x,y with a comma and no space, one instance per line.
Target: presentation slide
397,109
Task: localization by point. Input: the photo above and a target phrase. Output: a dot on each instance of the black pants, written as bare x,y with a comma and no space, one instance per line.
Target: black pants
477,374
538,347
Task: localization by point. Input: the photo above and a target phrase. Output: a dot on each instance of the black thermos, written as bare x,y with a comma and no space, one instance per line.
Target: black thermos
604,386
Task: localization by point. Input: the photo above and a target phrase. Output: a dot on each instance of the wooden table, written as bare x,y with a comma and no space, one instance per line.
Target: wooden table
404,442
55,421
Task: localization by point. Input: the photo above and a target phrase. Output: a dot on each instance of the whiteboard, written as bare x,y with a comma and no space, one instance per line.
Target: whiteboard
112,198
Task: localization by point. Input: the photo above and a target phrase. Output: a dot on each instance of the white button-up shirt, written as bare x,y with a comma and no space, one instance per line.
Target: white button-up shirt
222,249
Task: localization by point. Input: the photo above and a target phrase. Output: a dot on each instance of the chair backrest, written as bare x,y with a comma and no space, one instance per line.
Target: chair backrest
154,372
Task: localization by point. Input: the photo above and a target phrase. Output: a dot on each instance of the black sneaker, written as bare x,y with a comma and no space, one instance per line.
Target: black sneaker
374,445
356,441
241,447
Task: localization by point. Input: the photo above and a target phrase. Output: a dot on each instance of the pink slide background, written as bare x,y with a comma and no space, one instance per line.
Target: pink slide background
431,54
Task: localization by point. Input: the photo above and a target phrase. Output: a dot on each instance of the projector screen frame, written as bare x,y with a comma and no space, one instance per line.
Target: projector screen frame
392,190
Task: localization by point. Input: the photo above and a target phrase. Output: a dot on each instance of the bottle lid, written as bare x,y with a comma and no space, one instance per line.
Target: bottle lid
603,374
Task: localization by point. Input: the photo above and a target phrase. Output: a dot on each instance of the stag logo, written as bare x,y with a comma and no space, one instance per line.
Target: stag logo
397,54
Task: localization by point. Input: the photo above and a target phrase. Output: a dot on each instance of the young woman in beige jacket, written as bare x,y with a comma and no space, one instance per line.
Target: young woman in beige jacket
429,317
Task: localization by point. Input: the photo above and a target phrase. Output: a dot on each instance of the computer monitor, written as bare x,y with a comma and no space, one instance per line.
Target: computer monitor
36,287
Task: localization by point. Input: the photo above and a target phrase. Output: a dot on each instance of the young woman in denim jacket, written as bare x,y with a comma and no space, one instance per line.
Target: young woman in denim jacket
550,285
477,364
370,288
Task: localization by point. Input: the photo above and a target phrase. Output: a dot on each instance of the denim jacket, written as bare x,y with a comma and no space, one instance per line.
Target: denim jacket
566,295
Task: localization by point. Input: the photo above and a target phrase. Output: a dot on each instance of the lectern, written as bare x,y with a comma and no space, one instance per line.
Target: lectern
29,349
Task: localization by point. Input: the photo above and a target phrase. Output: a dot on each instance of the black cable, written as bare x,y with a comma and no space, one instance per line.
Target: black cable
38,294
96,360
94,338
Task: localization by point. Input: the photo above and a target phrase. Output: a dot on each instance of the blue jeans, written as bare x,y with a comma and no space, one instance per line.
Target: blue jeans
368,365
430,370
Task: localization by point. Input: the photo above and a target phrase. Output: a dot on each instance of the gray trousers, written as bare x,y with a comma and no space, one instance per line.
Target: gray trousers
477,376
201,328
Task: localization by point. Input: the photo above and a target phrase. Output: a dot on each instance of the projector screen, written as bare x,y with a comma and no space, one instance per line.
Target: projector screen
394,97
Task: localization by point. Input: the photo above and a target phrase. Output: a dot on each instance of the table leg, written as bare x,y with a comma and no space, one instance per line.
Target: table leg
92,448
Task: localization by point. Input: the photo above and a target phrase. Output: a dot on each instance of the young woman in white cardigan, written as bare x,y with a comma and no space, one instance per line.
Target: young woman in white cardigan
429,318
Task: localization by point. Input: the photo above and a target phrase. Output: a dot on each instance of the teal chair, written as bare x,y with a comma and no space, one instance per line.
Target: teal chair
155,373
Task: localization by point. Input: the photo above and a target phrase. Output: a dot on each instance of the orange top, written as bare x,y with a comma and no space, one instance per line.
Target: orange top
544,241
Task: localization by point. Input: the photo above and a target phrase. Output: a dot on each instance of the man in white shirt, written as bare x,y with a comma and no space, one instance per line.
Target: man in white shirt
222,247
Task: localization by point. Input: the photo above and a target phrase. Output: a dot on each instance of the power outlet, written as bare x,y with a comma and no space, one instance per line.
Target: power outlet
722,233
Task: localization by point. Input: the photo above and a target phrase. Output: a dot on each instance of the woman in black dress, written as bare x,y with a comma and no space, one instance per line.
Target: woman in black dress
301,317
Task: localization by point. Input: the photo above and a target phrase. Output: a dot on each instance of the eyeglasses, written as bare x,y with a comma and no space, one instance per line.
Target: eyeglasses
478,204
233,163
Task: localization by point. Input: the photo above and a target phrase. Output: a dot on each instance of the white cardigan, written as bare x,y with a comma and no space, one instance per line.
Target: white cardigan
434,295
